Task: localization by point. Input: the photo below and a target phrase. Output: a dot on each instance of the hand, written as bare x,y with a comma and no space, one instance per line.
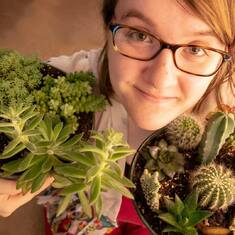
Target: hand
11,198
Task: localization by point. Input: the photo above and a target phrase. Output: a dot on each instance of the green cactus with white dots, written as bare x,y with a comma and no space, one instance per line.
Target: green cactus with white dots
184,132
150,186
216,186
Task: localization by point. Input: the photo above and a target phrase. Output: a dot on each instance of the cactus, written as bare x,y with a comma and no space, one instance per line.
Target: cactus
218,129
165,159
215,185
150,186
184,132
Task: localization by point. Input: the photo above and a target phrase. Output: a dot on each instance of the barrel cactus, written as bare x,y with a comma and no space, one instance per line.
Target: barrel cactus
150,186
215,185
184,132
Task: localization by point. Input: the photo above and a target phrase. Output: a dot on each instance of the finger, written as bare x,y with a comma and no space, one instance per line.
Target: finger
12,202
8,187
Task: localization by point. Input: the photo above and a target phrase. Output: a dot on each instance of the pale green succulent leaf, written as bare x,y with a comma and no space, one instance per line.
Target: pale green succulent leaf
38,182
85,203
47,164
115,167
6,124
73,141
121,152
92,172
98,206
16,150
31,173
31,133
78,157
74,188
7,130
65,133
121,179
170,219
109,182
64,204
198,216
71,171
95,189
57,130
60,181
93,149
34,122
11,145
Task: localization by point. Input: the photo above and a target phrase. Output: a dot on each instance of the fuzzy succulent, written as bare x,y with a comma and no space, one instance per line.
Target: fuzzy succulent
150,186
165,159
215,185
184,132
94,170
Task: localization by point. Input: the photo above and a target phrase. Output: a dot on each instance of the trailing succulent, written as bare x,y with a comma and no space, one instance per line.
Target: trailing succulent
165,159
67,96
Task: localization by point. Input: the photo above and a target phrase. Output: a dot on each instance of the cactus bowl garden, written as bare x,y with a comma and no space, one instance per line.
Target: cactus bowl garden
185,177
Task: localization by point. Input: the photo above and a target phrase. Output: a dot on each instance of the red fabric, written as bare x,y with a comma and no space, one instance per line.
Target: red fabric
129,221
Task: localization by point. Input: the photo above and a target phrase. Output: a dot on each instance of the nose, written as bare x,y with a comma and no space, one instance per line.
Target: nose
161,72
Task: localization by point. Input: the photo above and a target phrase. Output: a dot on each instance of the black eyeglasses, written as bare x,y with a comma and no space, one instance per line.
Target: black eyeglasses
193,59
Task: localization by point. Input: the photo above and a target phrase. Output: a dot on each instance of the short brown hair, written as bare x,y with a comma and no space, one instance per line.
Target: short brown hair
218,14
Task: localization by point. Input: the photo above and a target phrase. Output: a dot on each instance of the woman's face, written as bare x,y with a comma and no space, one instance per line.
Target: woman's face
155,92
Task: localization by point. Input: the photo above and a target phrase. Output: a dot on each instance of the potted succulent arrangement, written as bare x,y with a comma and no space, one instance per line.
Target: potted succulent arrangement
185,176
46,119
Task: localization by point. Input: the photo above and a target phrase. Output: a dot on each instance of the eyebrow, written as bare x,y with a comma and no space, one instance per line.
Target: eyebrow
132,13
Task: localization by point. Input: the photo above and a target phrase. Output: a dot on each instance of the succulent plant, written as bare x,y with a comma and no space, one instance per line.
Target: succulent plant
68,96
165,159
184,132
215,185
218,129
183,216
150,186
46,144
95,169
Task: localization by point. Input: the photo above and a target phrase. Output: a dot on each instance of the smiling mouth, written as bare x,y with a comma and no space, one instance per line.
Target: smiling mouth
154,98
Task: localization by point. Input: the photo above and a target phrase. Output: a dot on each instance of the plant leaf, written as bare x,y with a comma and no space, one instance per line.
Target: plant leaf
74,188
170,219
38,182
85,203
95,189
47,164
16,150
11,145
71,171
64,204
197,216
34,122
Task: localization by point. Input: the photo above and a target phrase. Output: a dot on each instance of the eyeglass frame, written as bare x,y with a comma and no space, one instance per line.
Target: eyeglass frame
114,27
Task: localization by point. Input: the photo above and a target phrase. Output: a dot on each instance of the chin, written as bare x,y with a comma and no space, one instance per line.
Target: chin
151,124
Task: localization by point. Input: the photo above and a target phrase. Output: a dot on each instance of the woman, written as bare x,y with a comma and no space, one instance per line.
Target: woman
161,59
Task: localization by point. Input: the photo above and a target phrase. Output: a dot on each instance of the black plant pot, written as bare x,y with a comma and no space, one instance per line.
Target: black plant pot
180,182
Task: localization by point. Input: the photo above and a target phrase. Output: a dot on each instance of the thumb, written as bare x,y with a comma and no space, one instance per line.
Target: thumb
8,187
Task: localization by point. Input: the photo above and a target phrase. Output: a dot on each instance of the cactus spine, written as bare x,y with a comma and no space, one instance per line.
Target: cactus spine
150,186
184,132
218,129
215,185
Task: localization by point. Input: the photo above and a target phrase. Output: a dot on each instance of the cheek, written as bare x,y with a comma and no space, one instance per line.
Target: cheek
193,89
122,71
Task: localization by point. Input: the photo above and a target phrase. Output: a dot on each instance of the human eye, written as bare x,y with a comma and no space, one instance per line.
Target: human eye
195,51
138,36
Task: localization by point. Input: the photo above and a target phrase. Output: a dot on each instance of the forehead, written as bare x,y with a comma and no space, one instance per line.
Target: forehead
168,18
